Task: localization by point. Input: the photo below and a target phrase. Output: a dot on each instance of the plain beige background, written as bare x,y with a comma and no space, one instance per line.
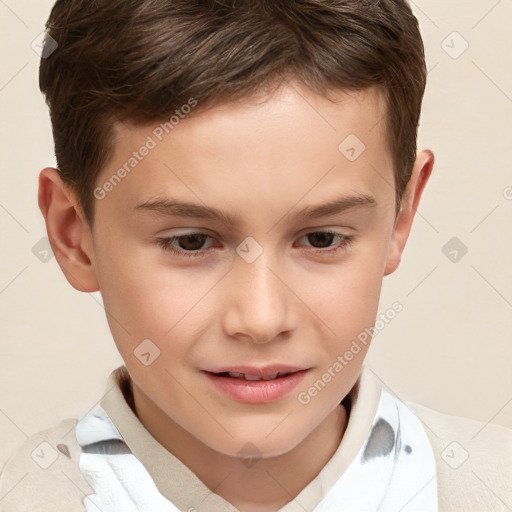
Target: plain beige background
451,346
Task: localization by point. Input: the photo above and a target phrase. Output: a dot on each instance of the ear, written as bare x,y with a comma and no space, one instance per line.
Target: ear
421,172
68,232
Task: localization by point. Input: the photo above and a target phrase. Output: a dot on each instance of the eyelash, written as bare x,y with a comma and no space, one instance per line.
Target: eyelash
166,244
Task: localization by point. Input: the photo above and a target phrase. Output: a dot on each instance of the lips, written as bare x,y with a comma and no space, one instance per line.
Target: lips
251,384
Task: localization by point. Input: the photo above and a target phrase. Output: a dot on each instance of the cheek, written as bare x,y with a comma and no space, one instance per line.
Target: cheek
346,296
146,298
346,299
142,290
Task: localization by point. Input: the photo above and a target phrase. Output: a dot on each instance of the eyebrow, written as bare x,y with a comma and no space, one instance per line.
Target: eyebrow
173,207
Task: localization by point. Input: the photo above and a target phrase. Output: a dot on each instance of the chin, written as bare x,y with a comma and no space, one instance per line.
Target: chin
256,443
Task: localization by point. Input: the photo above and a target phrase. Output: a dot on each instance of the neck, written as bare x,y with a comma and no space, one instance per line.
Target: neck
264,486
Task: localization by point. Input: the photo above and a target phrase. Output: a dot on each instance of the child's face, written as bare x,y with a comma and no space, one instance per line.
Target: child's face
285,302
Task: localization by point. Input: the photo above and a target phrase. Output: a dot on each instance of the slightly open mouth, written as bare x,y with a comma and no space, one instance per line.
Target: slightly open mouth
247,376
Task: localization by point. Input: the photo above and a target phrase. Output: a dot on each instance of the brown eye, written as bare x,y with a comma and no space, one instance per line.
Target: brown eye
320,239
191,242
187,245
327,242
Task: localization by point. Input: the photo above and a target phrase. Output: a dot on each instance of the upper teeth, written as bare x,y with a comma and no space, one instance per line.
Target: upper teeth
248,376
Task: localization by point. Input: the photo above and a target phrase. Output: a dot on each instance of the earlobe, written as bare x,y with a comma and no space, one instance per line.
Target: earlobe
68,232
422,169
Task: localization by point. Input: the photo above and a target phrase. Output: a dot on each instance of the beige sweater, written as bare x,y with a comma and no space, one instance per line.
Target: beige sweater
474,460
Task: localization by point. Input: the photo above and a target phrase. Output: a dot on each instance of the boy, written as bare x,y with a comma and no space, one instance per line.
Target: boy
282,136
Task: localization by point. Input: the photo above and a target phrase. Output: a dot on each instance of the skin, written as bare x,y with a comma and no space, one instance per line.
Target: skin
263,162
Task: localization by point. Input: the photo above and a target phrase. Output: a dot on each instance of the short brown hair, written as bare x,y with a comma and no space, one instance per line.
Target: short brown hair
139,60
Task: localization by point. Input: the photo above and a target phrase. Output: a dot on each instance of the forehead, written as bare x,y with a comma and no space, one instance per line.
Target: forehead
283,148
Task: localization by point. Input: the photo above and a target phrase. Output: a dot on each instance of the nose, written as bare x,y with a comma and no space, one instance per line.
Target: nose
259,302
